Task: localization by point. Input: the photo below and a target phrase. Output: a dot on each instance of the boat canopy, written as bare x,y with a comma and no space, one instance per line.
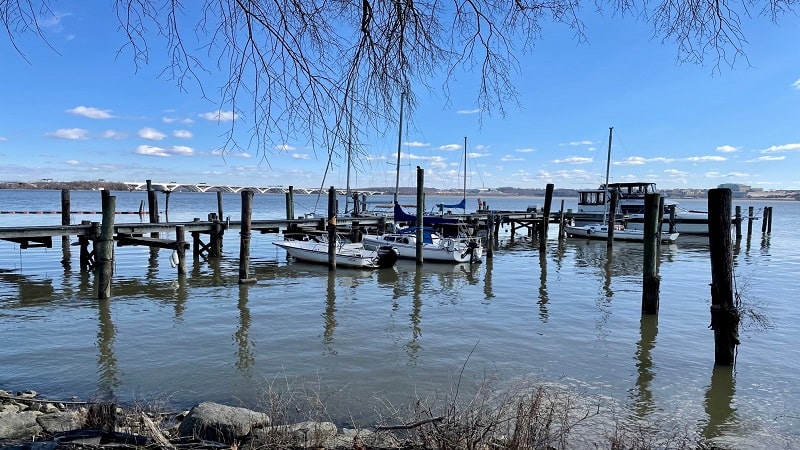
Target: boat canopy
460,205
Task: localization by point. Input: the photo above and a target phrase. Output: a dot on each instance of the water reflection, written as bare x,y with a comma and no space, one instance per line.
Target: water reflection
413,346
641,395
488,291
543,298
719,396
107,360
244,351
330,312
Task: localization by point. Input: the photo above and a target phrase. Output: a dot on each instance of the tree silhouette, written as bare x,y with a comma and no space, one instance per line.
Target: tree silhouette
333,70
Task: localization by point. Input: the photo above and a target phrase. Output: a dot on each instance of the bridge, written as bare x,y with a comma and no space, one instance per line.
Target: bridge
205,187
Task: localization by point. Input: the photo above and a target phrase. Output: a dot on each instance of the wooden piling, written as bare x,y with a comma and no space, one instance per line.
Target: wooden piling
764,219
331,228
105,250
219,206
152,206
738,223
769,221
612,218
180,242
548,201
651,282
490,232
244,240
561,222
724,314
65,220
290,203
420,212
750,218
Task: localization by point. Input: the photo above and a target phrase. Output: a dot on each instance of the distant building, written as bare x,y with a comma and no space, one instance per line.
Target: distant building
737,190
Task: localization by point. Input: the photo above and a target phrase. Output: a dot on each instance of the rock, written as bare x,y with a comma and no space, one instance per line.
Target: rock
302,435
19,425
221,423
58,422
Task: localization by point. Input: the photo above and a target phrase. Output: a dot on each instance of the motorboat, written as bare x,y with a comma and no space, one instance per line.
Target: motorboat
435,247
348,254
593,205
601,231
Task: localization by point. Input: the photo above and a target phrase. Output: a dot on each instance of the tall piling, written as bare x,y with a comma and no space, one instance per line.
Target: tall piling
331,228
651,282
724,314
180,242
219,206
105,250
290,203
152,206
612,217
750,218
561,222
65,220
420,212
548,201
244,238
738,222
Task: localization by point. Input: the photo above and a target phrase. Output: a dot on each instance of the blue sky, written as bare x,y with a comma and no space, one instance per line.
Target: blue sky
80,110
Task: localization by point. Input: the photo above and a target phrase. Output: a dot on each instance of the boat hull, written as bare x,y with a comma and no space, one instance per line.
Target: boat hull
601,232
347,255
446,250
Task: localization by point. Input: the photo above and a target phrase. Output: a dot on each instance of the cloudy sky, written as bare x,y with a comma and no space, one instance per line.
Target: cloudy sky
76,108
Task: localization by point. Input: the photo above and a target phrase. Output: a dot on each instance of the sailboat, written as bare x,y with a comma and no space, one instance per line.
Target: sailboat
602,230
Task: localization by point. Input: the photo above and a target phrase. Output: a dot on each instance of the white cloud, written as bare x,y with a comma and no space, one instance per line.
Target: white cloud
631,161
450,147
468,111
525,150
151,134
284,148
796,84
181,150
511,158
72,162
675,172
3,139
768,158
782,148
113,134
300,156
576,143
175,150
77,134
91,112
219,116
183,134
727,149
416,144
177,120
150,150
574,160
707,159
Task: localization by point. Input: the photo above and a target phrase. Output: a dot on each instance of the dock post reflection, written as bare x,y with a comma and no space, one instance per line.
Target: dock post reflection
244,351
107,360
642,395
719,397
416,314
543,297
330,312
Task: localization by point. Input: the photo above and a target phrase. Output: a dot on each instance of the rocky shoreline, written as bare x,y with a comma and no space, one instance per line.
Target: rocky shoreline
28,422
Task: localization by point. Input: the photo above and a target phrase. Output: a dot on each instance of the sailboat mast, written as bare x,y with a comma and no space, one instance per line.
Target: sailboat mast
465,173
349,163
399,143
608,169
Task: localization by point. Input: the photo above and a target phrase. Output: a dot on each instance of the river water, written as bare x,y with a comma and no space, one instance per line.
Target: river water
569,317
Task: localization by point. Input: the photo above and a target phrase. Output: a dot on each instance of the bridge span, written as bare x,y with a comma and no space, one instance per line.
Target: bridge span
205,187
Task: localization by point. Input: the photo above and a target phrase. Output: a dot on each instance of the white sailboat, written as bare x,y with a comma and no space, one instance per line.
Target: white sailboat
602,230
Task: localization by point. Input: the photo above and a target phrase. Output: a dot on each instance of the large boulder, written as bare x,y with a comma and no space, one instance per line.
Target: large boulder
220,423
19,425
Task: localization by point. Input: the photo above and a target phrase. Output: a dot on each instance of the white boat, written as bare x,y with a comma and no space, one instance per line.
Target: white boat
600,198
593,204
435,248
598,231
347,254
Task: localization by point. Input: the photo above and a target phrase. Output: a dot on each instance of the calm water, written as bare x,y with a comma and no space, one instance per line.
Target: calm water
570,317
